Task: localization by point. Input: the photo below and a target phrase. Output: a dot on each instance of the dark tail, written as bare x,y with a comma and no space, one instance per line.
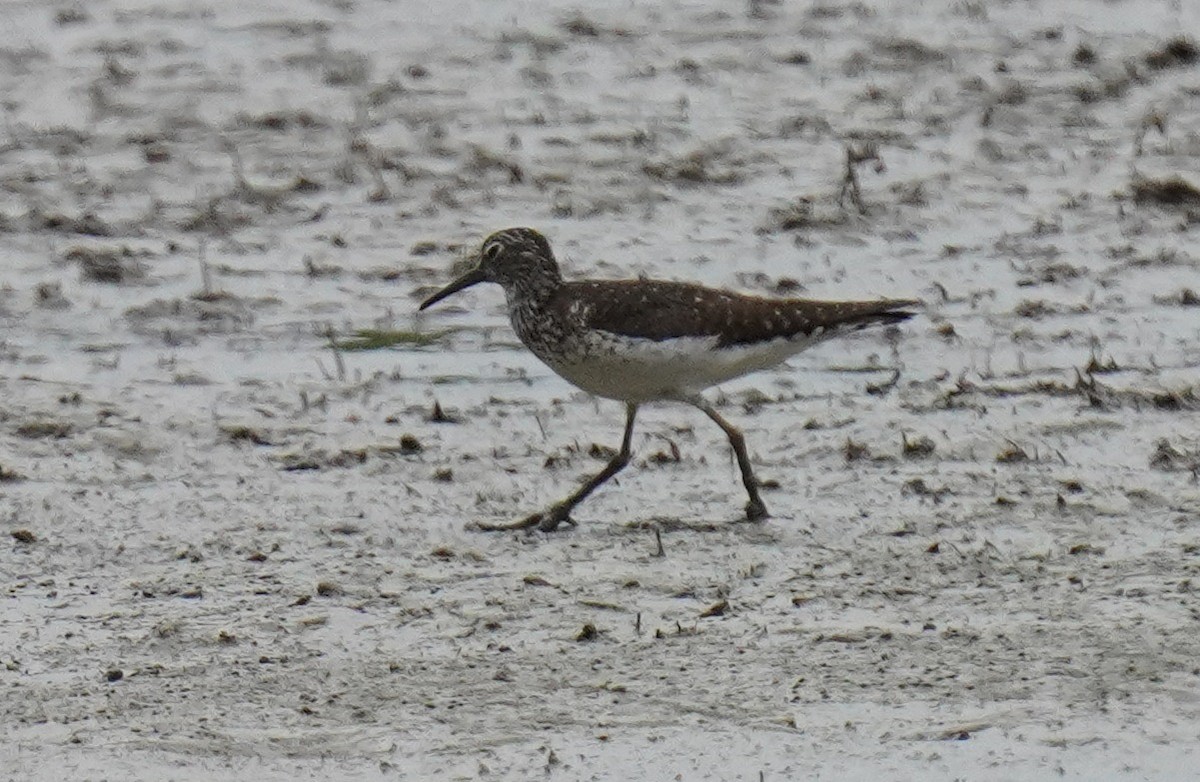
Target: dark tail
840,315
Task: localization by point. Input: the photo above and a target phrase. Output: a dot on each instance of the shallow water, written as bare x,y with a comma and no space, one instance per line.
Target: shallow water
226,564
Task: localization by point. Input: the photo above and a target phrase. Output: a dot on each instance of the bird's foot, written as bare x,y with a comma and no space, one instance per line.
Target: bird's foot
756,510
546,521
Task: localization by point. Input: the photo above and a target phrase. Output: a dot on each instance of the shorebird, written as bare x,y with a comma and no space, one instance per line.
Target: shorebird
639,341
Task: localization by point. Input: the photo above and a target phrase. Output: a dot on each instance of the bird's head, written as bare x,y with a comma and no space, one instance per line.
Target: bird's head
515,258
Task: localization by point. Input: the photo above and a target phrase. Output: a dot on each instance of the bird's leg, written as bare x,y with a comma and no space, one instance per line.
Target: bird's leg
548,520
755,509
560,512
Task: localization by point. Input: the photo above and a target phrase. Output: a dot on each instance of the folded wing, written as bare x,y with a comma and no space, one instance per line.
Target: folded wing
657,311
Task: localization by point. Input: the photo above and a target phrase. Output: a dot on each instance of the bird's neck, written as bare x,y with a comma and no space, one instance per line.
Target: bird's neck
532,291
530,310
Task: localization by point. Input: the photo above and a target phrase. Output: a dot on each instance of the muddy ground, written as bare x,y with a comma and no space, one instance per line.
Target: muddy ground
239,533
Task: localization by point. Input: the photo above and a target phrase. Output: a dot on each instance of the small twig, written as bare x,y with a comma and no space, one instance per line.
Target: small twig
856,155
239,173
1152,121
267,197
337,353
375,168
206,288
882,389
660,552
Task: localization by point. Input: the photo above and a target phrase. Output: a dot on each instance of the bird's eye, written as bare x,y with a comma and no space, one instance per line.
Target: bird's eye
491,252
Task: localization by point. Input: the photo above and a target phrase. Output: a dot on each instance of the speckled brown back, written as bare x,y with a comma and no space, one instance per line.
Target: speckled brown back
657,310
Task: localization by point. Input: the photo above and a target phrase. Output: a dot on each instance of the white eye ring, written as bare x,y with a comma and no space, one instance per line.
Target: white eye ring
491,252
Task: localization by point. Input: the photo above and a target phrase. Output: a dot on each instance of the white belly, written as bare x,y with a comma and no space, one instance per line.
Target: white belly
642,370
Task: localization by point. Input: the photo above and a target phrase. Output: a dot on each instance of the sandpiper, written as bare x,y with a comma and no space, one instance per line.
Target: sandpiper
639,341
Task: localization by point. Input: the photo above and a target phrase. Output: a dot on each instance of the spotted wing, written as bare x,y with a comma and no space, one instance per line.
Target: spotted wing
657,310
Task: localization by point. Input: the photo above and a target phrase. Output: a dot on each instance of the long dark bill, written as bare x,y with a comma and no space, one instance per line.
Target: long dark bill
466,281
